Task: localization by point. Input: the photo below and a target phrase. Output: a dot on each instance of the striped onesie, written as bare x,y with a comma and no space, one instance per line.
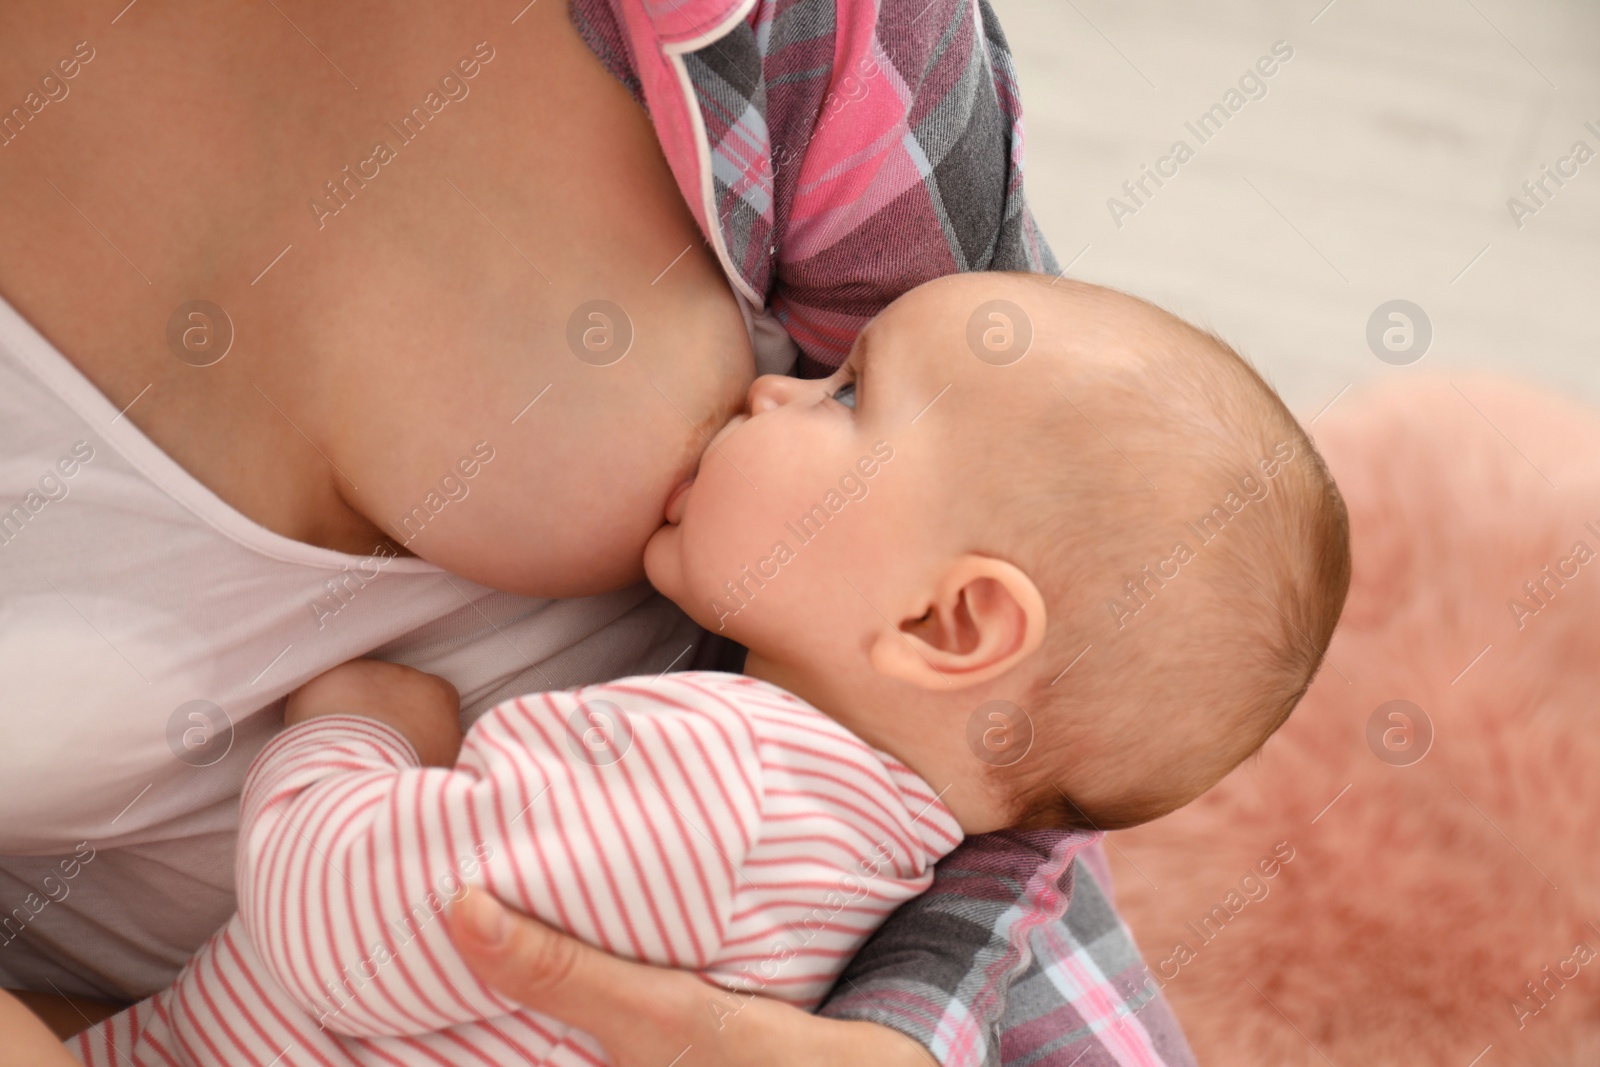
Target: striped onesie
698,820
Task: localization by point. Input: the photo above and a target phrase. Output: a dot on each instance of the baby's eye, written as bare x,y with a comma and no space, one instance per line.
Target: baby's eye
846,395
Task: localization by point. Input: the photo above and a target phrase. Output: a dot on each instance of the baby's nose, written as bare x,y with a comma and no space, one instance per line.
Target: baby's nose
775,390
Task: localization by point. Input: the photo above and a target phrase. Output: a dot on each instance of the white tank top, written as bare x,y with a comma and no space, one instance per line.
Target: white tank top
148,635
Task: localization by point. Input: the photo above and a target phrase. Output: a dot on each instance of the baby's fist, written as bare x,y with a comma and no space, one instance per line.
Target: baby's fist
423,707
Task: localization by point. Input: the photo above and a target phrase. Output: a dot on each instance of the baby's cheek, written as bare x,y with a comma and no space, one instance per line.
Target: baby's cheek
749,527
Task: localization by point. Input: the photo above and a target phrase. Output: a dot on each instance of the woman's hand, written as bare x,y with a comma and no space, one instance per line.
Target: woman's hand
423,707
25,1041
649,1016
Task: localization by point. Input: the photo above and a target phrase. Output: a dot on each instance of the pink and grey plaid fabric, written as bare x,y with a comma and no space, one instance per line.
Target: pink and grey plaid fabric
836,154
983,968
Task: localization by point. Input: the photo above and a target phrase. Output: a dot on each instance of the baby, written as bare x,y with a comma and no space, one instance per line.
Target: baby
1038,555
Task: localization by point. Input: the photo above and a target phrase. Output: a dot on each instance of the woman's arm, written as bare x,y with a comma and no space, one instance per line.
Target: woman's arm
837,153
65,1015
987,899
25,1041
984,967
925,985
647,1016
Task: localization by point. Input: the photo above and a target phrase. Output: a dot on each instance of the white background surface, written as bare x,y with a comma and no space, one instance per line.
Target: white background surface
1390,142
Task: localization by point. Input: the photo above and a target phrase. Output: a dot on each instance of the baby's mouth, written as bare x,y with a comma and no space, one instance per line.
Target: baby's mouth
678,500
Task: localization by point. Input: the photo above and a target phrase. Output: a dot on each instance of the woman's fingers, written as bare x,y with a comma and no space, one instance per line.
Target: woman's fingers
649,1016
636,1009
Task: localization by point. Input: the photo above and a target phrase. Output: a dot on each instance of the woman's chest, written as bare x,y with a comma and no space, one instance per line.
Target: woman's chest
319,256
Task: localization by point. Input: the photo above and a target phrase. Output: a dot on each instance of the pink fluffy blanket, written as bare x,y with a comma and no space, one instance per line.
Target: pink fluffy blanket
1434,909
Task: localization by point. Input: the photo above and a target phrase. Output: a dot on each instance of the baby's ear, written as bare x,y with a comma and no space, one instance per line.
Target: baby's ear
981,617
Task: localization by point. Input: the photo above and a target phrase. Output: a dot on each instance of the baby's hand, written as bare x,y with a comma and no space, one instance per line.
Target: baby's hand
423,707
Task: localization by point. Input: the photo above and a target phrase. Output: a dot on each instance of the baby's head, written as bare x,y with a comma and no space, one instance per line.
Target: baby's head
1052,547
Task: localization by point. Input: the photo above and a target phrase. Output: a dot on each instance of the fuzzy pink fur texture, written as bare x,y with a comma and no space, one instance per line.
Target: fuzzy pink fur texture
1438,910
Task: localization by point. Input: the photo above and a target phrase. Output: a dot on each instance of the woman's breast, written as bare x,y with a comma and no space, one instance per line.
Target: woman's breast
426,282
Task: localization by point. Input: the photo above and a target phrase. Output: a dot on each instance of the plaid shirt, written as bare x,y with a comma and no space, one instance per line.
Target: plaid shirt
837,154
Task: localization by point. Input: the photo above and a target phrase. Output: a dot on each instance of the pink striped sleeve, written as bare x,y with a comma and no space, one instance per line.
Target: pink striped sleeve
573,807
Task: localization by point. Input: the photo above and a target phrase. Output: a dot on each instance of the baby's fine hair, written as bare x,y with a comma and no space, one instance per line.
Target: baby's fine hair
1193,551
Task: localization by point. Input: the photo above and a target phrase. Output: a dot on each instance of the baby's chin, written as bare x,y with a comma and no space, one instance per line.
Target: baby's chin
664,566
663,561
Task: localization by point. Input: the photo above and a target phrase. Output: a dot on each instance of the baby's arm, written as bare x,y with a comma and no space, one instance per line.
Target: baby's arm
350,850
424,708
